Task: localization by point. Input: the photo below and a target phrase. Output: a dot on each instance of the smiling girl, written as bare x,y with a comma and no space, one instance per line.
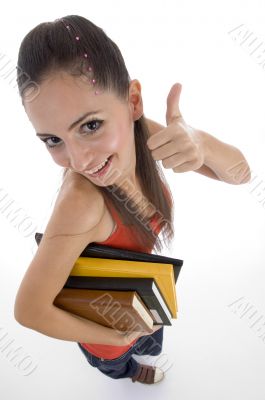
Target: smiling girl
78,95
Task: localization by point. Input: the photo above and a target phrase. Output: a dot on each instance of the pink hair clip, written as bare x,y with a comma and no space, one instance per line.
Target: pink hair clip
93,81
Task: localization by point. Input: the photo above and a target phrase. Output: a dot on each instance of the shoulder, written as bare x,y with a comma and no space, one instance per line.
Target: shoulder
79,204
78,197
75,184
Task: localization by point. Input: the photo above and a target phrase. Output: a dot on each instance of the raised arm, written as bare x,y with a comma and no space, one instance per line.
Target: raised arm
228,161
184,148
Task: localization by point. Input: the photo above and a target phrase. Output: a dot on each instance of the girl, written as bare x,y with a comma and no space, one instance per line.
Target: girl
78,95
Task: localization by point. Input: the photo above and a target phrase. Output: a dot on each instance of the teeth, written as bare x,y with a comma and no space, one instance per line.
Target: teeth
92,171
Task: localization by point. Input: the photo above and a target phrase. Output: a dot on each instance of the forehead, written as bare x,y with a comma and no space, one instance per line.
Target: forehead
62,97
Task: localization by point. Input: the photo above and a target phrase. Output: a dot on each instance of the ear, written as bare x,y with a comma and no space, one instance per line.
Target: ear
135,99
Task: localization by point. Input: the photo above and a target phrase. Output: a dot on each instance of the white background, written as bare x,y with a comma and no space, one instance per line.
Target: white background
219,228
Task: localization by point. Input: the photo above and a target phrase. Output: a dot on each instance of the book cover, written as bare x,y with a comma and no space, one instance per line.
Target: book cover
146,288
123,311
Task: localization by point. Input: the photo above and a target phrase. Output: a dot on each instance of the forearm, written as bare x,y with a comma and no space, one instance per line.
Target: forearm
60,324
225,160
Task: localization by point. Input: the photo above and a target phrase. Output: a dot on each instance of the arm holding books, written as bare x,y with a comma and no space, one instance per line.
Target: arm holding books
63,325
60,324
72,225
61,245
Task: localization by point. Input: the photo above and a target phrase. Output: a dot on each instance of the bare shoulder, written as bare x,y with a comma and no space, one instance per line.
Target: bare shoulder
73,224
79,205
75,184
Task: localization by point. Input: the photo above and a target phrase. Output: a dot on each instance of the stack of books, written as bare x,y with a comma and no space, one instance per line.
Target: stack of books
121,289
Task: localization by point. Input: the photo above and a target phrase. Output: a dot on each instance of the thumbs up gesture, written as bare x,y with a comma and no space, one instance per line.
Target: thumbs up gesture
178,145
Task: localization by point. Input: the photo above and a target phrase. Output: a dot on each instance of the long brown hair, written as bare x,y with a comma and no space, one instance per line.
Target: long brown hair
51,47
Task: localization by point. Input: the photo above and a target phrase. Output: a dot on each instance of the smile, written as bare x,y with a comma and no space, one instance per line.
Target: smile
101,169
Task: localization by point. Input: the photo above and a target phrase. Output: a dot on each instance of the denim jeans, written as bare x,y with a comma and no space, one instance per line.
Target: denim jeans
126,366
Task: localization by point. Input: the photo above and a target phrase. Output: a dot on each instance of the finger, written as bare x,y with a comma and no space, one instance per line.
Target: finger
159,138
186,167
175,160
164,151
173,111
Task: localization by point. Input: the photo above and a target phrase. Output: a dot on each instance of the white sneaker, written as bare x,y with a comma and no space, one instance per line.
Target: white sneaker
159,375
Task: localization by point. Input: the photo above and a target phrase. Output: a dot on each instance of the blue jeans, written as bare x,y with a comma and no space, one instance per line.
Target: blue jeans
126,366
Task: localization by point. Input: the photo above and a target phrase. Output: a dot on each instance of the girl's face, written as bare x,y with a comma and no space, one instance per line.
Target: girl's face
106,128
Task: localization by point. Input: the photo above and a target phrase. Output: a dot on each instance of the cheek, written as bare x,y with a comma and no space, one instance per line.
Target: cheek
59,158
117,141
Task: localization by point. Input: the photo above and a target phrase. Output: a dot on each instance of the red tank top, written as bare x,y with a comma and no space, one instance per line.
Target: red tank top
121,237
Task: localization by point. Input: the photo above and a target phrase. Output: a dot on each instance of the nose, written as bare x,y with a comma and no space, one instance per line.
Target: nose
79,157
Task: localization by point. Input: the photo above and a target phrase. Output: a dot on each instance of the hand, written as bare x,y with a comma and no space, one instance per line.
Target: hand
125,338
178,145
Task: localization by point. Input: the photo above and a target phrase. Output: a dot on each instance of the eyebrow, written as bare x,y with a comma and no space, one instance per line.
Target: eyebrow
80,119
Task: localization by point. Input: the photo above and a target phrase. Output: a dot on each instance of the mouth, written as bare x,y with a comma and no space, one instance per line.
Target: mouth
103,170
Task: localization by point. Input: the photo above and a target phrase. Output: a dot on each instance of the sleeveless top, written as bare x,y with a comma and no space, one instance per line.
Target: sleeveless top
121,237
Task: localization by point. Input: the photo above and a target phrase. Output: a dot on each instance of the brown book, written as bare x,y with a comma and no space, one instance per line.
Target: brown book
121,310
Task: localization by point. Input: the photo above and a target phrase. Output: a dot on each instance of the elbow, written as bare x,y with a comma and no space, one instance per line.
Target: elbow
240,172
25,315
244,175
27,320
243,178
20,315
247,177
21,319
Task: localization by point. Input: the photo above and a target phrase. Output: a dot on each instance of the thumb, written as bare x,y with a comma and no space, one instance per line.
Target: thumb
173,111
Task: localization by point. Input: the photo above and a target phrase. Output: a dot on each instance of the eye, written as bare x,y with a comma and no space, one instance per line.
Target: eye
92,124
49,138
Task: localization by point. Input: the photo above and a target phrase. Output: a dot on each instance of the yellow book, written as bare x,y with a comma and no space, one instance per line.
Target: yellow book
162,273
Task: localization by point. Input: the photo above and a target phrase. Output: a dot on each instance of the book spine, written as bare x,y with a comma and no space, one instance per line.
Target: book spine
152,304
